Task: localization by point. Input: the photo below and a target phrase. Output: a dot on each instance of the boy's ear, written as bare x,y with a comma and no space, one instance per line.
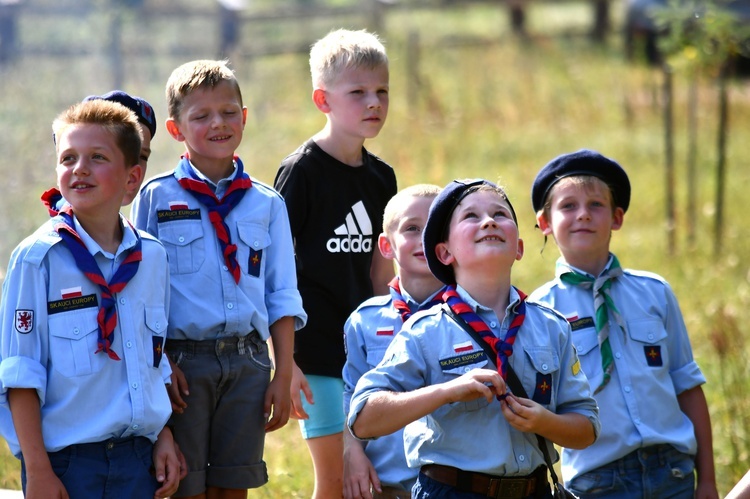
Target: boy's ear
542,223
174,130
135,178
443,254
519,251
244,115
618,218
320,100
385,247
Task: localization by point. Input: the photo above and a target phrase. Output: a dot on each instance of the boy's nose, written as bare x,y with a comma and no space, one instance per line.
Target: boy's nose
81,167
583,214
489,222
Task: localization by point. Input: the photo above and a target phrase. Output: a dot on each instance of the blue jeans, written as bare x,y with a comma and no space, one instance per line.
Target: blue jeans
427,488
113,469
655,472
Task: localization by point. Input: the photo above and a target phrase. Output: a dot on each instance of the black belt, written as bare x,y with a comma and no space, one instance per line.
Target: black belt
488,485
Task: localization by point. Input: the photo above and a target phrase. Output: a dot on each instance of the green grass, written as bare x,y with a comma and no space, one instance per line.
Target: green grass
488,106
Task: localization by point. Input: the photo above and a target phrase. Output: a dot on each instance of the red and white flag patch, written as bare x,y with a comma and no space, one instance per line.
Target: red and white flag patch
178,205
24,321
571,317
71,292
466,346
384,331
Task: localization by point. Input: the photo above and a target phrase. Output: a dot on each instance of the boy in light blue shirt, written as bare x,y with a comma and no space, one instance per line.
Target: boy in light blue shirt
632,340
466,433
231,262
370,329
84,320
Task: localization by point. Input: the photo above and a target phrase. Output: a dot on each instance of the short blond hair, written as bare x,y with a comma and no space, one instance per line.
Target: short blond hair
202,73
343,49
115,118
395,208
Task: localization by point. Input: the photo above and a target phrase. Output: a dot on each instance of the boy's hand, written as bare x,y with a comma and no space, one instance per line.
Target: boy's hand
358,473
299,383
181,459
277,404
166,464
177,389
45,486
524,414
474,384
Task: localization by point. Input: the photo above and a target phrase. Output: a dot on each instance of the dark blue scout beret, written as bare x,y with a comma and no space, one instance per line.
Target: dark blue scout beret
583,162
140,107
436,228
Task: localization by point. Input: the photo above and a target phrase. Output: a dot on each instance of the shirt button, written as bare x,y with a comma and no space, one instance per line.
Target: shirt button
135,427
493,324
157,325
579,348
651,336
544,367
256,244
522,458
230,306
122,301
467,369
110,445
135,385
76,330
181,239
129,344
627,389
225,267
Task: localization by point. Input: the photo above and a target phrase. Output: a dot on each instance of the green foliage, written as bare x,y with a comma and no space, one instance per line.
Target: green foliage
485,105
701,34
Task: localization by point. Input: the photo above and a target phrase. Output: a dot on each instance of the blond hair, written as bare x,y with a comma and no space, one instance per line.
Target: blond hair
202,73
395,207
343,49
115,118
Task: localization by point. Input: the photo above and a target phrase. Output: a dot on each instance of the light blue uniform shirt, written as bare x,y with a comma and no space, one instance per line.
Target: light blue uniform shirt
206,302
368,332
474,436
48,342
653,364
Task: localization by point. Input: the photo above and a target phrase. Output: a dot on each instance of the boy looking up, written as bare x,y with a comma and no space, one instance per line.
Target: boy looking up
369,331
634,347
231,263
84,316
468,432
336,191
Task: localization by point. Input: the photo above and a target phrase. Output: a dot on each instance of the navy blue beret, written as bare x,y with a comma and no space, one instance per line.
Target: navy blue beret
436,228
583,162
140,107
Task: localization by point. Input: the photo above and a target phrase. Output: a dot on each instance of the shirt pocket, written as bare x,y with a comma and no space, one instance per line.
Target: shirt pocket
185,244
540,374
254,239
155,339
649,340
73,341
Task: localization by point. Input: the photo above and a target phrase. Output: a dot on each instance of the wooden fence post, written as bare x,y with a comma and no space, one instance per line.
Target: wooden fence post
667,93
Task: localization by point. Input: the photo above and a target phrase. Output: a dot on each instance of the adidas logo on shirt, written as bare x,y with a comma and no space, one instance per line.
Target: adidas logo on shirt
349,235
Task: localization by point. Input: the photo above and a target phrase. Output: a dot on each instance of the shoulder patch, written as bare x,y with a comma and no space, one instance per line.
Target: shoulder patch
24,321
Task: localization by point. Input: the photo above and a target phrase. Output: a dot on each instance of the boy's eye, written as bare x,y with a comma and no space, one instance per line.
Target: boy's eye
383,91
413,228
144,158
67,158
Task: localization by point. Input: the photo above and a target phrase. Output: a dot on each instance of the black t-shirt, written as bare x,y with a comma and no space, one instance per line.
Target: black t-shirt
336,215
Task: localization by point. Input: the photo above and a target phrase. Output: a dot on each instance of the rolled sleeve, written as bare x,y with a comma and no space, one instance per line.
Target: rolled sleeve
22,372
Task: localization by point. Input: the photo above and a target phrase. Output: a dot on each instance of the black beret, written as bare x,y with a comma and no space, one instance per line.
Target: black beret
438,218
142,109
583,162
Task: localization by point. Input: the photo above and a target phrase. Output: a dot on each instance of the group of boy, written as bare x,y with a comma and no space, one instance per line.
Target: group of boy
206,274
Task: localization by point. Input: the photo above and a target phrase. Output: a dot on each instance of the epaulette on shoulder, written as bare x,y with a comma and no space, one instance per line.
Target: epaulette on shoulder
645,274
545,308
36,246
157,177
375,301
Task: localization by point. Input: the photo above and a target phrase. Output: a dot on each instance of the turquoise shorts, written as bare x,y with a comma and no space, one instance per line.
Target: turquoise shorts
327,413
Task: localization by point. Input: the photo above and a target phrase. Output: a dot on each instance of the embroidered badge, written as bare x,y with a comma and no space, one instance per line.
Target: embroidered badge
384,331
158,342
70,292
466,346
543,389
462,360
24,321
163,216
653,355
74,303
576,367
582,323
253,265
571,317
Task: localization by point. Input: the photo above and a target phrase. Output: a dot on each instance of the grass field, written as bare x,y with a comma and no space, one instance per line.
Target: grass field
487,106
